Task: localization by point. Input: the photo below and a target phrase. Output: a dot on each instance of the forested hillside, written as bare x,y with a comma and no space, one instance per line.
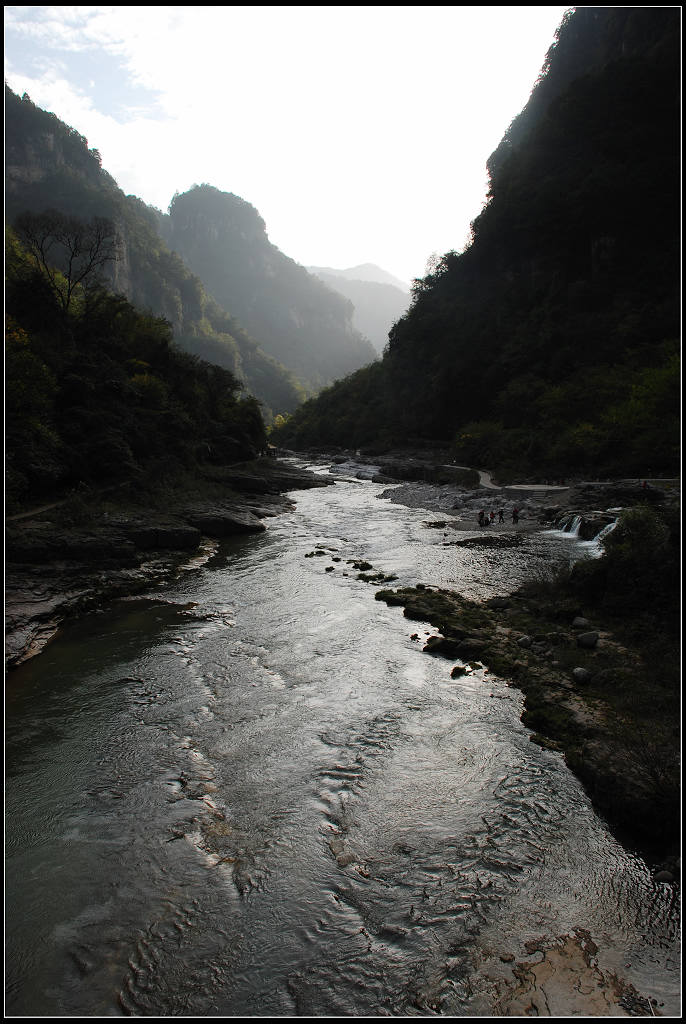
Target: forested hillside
298,321
551,344
97,393
49,166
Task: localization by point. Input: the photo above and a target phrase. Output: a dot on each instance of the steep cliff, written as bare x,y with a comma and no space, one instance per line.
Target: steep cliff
551,344
49,166
297,320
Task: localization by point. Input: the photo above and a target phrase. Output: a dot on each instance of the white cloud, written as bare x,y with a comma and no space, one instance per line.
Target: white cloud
360,133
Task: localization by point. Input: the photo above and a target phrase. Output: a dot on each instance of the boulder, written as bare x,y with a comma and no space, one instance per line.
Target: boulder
443,645
223,521
587,640
581,676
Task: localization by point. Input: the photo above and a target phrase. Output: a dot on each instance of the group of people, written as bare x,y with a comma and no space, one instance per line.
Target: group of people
488,519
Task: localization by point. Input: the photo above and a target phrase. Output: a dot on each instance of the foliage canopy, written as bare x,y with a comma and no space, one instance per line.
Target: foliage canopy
98,392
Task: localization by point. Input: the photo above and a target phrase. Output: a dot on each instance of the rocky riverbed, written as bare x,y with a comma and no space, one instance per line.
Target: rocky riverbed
560,978
429,480
71,557
581,675
65,562
569,663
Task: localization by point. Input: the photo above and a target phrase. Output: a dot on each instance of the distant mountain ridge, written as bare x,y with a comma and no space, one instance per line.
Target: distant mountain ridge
377,303
364,272
297,320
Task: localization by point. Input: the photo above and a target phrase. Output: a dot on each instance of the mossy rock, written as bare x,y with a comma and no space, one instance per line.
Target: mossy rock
375,577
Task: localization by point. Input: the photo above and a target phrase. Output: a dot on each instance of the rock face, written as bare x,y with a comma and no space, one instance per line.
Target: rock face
593,506
432,470
45,542
291,313
223,521
561,978
160,535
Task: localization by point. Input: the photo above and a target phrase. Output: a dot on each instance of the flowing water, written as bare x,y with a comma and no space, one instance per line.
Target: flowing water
252,794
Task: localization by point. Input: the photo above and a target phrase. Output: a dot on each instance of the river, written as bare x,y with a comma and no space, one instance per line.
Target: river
251,794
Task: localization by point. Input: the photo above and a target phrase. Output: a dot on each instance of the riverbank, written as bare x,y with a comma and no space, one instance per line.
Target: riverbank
589,694
429,480
71,556
601,684
268,729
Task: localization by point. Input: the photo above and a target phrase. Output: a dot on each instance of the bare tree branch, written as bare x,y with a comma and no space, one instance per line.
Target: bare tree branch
68,252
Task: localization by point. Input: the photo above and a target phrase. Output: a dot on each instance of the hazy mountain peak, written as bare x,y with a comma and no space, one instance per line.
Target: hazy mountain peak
378,298
363,272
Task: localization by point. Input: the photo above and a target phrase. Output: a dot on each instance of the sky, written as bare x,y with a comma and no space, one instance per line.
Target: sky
360,134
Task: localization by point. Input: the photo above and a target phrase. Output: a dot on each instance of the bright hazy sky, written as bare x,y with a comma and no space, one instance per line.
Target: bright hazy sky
360,134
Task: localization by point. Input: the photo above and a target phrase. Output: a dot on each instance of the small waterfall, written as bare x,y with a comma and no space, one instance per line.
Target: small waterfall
604,532
571,527
594,548
568,528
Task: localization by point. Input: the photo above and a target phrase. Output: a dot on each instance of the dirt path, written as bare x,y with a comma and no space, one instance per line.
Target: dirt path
36,511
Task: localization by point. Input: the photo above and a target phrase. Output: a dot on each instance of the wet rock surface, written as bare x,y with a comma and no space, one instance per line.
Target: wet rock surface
223,521
430,481
57,568
562,978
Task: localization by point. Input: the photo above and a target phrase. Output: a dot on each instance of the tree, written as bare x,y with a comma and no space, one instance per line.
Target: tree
68,252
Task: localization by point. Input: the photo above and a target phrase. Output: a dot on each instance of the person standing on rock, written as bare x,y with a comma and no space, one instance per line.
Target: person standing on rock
481,519
501,516
515,515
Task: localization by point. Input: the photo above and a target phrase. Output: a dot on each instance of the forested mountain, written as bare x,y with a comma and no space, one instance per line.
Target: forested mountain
551,344
298,321
377,303
49,166
96,391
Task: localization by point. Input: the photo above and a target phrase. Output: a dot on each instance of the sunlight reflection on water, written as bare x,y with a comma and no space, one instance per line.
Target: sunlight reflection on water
273,803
